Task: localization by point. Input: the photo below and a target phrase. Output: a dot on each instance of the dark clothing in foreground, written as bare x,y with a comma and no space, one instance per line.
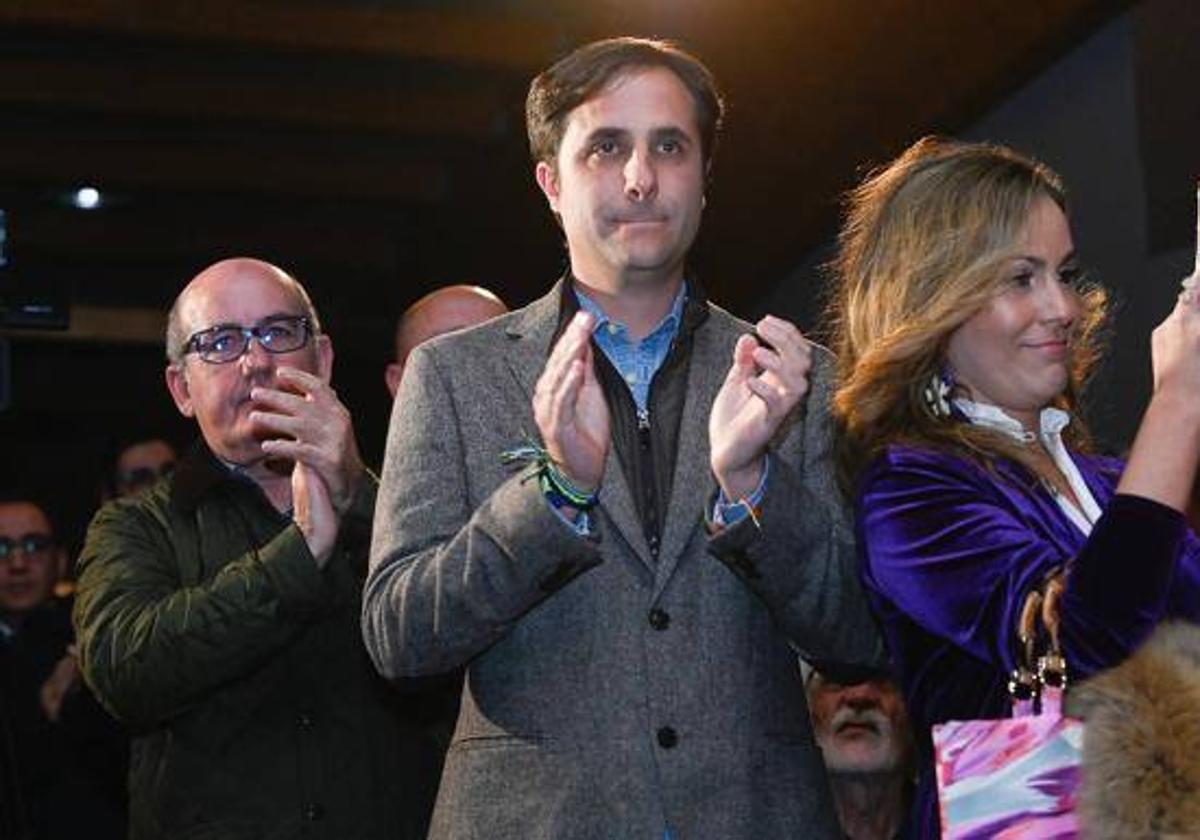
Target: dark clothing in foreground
206,625
58,779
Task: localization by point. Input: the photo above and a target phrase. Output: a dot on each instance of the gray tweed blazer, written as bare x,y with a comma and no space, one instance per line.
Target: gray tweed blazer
608,696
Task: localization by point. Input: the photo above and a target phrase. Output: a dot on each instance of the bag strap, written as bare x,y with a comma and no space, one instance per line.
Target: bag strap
1023,685
1039,679
1052,665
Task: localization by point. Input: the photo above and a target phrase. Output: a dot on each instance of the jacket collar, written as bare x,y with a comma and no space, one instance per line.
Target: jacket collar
199,473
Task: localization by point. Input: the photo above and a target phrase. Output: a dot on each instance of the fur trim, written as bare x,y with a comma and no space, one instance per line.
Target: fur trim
1141,744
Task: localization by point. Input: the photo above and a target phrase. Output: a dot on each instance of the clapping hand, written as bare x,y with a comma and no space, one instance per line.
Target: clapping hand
569,407
309,425
765,382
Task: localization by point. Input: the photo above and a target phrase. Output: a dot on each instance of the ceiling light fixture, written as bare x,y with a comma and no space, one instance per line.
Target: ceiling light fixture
86,198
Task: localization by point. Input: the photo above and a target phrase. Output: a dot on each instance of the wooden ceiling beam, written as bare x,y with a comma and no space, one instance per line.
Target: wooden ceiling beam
247,165
124,88
150,236
105,324
471,39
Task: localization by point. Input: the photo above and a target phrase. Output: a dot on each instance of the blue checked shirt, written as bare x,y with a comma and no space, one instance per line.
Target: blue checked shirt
637,362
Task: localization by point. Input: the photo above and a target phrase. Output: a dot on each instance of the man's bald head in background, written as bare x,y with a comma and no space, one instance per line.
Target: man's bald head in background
441,311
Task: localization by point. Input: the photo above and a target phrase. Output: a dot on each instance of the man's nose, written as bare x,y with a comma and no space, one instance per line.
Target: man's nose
863,695
255,356
641,181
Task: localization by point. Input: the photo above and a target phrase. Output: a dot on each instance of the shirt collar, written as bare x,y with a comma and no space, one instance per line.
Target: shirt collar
695,307
669,325
1051,421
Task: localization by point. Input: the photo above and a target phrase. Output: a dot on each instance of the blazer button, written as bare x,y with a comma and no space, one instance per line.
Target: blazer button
659,619
305,720
667,737
313,812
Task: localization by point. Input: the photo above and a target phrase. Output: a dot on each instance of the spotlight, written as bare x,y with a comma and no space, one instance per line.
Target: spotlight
86,198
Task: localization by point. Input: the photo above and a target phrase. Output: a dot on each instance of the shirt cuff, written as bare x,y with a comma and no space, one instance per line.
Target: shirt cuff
726,513
582,524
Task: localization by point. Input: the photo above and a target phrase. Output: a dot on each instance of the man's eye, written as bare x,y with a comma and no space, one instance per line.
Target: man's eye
605,148
670,147
276,333
219,343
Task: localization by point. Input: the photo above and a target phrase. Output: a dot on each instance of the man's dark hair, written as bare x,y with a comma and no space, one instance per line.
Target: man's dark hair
573,80
22,494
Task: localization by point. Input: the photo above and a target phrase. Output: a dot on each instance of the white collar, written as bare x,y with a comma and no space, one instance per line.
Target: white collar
1051,421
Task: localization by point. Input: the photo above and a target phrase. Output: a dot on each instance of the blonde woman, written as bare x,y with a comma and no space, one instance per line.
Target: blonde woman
964,333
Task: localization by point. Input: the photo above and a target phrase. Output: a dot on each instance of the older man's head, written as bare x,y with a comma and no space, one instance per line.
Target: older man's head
861,725
229,330
441,311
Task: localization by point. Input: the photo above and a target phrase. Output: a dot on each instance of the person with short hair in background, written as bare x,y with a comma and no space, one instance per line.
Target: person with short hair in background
62,759
140,463
862,729
441,311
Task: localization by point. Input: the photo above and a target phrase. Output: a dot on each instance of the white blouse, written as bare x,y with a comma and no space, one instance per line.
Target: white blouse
1051,422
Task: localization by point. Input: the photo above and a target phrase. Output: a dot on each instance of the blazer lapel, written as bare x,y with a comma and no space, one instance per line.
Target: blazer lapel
531,336
692,485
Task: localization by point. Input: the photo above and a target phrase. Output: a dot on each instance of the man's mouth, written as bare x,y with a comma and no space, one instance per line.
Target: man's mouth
656,219
857,727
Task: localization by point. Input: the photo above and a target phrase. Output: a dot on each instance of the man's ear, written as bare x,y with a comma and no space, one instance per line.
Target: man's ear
177,384
391,375
324,358
546,175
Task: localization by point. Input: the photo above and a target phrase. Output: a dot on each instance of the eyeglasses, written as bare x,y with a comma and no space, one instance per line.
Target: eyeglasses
140,477
30,545
227,342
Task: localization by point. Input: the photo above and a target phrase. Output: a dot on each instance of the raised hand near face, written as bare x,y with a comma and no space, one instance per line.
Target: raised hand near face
303,421
762,387
569,407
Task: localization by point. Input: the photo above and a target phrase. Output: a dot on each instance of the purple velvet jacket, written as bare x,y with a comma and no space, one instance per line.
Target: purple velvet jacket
949,551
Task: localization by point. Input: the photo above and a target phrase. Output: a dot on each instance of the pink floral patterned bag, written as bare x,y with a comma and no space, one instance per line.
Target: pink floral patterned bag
1015,777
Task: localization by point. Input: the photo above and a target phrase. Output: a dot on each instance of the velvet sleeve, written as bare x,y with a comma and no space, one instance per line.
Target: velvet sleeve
956,548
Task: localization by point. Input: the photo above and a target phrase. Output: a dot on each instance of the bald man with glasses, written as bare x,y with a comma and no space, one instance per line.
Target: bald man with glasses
217,612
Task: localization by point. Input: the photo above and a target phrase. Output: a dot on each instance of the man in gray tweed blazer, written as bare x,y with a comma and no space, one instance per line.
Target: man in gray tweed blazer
628,601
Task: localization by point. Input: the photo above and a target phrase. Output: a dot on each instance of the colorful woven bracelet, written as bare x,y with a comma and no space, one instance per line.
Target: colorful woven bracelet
559,490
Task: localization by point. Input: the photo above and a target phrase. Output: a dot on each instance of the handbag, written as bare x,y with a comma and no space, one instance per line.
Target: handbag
1016,777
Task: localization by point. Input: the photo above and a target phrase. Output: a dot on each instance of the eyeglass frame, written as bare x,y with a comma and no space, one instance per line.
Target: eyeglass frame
9,546
248,334
140,477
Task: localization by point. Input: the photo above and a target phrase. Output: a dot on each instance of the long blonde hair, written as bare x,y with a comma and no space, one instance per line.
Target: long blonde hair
925,245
